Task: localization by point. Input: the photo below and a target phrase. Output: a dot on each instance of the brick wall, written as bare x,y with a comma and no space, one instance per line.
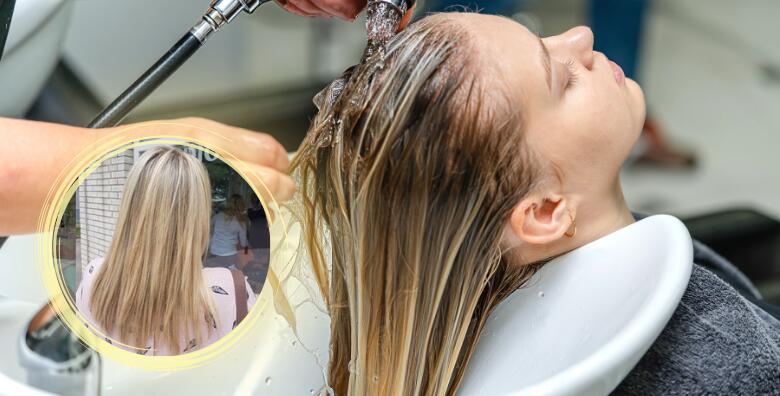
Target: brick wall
99,199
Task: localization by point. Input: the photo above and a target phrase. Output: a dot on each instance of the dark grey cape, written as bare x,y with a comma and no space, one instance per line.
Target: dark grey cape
716,343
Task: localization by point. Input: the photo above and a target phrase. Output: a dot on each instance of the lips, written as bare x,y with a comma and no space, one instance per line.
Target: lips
620,76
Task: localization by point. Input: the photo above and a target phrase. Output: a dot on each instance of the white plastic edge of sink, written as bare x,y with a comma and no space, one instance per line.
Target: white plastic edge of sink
646,326
28,17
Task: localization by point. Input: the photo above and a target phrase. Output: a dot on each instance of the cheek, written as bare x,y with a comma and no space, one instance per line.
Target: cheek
609,118
590,133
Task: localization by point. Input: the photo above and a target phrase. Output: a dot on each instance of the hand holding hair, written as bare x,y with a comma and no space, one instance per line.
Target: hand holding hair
30,168
344,9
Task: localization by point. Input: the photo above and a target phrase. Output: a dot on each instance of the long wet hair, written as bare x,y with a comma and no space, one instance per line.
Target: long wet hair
151,284
407,182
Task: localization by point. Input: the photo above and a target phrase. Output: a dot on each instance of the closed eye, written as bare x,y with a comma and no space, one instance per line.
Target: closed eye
573,73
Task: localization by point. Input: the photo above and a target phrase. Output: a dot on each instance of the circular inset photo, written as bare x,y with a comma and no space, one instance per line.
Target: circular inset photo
163,249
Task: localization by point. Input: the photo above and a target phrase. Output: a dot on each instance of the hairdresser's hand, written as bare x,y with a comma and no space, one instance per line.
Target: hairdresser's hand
346,9
29,169
262,159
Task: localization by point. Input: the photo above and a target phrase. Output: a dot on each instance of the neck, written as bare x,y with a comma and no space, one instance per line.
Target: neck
602,218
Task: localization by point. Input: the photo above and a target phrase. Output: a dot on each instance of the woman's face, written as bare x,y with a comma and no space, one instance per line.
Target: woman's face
580,113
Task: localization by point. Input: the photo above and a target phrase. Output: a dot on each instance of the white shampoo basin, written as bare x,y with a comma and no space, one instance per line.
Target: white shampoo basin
585,320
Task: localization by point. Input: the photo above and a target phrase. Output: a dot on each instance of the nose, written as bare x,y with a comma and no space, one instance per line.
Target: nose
575,43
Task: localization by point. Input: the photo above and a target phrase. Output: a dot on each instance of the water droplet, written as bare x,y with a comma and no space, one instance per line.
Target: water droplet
268,381
541,294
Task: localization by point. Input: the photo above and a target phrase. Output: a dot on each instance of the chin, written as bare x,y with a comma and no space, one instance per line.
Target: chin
636,99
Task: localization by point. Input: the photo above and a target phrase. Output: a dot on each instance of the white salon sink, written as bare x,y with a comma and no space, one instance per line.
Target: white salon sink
31,52
586,318
576,329
13,319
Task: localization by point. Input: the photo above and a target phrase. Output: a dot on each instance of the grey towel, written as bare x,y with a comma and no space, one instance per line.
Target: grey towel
716,343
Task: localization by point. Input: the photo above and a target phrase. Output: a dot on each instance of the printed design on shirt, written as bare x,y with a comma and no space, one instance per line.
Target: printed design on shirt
91,268
144,351
190,346
219,290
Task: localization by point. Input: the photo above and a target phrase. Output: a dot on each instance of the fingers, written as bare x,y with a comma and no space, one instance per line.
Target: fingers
269,183
304,8
261,158
291,8
249,146
266,162
262,149
346,9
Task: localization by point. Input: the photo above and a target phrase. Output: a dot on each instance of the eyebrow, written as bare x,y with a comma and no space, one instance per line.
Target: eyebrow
546,62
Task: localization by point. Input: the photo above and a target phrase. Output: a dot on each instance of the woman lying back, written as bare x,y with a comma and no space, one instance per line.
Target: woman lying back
451,167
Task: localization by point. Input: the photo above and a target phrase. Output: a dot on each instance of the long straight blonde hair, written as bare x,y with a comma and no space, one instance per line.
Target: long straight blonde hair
151,283
407,182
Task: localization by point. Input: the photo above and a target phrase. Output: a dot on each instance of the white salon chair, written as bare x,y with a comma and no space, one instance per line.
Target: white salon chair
577,328
31,52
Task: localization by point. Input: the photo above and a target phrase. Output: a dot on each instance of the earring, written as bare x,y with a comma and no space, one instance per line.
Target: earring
571,234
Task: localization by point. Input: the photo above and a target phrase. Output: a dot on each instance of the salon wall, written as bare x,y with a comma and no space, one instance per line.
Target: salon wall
98,200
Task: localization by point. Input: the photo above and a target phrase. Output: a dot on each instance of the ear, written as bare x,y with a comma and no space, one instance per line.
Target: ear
541,219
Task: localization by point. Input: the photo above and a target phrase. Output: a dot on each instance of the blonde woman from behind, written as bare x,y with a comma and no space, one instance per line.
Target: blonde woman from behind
151,294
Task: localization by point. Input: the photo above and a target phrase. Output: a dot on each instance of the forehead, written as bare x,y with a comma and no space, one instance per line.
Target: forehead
508,56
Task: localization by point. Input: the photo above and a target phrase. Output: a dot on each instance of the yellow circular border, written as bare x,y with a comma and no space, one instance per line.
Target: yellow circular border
60,194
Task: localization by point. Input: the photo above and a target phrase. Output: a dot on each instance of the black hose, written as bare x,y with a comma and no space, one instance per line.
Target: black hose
147,83
141,88
6,12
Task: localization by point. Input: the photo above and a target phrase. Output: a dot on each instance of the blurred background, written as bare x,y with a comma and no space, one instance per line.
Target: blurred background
710,70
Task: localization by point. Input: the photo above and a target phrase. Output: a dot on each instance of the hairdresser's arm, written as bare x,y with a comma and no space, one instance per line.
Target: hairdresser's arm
33,154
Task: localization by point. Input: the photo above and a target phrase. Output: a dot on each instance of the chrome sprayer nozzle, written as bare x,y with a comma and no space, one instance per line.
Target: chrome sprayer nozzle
222,12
